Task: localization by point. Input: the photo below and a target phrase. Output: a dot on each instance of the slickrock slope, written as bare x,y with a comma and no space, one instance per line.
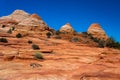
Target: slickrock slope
67,28
68,61
97,31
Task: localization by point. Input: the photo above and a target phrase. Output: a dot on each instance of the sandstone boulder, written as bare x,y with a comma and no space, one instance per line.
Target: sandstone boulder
96,31
67,28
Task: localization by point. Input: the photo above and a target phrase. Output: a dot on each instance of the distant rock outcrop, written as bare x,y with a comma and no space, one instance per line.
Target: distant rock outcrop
96,31
67,28
27,21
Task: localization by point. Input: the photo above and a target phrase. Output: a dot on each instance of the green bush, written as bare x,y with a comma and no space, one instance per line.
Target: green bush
30,42
110,42
18,35
38,55
9,31
3,40
48,34
101,43
3,26
35,47
12,28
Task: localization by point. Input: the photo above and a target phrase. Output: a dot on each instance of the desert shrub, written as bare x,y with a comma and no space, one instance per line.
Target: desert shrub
35,47
3,40
30,42
110,42
38,55
87,35
9,31
18,35
3,26
12,28
101,43
57,32
75,39
48,34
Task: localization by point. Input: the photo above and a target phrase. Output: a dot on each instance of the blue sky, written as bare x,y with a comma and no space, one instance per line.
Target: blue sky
79,13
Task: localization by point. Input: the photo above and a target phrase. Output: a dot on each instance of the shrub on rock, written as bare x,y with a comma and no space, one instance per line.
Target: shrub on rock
3,40
18,35
38,55
35,47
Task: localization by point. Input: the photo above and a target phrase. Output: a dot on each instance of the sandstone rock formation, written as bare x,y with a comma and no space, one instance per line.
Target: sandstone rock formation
24,20
34,22
17,15
96,31
67,28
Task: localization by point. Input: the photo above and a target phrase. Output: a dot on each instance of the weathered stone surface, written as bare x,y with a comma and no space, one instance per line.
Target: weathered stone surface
35,16
32,22
96,31
8,57
8,21
24,20
17,15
